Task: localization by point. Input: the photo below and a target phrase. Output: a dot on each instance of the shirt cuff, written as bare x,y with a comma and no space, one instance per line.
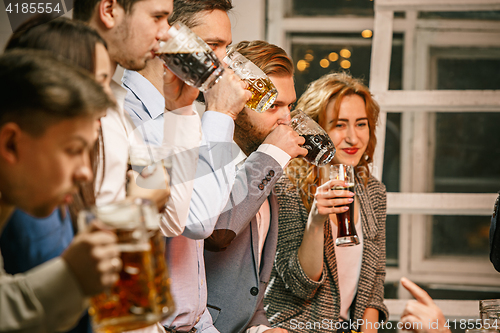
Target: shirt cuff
257,329
217,127
187,110
277,153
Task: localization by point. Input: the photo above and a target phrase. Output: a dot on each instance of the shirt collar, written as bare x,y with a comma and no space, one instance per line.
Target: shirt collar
145,91
120,94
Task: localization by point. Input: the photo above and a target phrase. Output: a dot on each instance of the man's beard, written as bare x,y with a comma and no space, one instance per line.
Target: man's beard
247,135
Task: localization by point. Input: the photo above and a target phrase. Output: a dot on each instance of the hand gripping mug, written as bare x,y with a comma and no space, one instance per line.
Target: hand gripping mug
318,144
141,296
263,91
190,58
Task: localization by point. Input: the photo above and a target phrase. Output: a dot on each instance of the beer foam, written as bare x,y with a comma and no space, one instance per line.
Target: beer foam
120,215
179,46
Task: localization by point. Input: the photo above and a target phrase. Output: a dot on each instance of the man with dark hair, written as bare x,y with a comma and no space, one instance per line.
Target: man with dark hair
48,124
239,255
132,30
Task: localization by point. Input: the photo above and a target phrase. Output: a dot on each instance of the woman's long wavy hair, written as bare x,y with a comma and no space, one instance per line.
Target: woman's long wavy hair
313,102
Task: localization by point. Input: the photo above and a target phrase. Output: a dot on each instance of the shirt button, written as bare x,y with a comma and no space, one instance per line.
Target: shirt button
268,178
261,186
264,181
271,173
254,291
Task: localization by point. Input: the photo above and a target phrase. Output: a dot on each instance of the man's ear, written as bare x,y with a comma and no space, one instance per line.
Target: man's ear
109,11
10,135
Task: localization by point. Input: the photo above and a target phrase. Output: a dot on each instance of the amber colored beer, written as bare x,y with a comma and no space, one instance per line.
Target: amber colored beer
130,303
263,93
164,300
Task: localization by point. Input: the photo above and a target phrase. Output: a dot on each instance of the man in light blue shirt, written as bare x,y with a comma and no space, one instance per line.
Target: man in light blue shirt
215,172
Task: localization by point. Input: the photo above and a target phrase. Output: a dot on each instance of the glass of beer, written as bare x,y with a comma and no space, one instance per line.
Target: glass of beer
346,234
319,146
133,301
489,310
263,91
164,300
190,58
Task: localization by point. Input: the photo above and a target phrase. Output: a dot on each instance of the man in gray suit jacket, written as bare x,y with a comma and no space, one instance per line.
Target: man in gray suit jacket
239,254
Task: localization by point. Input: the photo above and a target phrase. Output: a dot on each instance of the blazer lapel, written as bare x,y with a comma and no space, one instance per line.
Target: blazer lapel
254,234
269,250
367,213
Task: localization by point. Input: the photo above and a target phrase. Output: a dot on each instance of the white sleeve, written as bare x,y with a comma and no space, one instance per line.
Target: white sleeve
215,175
183,134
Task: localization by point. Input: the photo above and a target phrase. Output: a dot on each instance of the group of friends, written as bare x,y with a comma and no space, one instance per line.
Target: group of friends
249,226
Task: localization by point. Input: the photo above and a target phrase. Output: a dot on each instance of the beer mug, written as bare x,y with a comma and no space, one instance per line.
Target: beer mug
164,300
263,91
489,310
346,234
190,58
320,148
141,296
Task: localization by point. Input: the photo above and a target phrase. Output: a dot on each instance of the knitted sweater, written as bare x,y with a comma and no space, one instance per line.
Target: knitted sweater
295,302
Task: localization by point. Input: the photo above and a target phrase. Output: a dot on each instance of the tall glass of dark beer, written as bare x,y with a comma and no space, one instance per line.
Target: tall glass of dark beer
346,234
190,58
318,144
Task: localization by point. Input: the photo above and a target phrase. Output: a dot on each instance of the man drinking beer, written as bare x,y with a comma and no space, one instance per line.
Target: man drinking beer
48,124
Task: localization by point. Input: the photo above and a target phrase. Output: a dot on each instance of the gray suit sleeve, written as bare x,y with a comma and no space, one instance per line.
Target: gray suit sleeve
45,299
253,184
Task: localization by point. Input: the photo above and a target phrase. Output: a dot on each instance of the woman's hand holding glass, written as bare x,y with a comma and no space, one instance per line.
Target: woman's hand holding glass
329,200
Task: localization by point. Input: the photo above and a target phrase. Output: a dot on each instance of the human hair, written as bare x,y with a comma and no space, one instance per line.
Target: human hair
186,11
272,59
73,40
84,9
313,102
38,90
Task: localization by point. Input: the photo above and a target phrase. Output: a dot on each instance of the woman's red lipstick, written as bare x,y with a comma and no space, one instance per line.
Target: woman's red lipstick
350,151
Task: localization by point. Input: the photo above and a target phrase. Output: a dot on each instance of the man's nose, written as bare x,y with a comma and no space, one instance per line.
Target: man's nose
84,172
285,117
163,31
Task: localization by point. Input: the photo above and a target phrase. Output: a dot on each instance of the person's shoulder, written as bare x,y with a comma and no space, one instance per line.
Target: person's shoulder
284,187
375,184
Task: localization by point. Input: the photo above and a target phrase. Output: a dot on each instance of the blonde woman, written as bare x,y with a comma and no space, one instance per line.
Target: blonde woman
315,285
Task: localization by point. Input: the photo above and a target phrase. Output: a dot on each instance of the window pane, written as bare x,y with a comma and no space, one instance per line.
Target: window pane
460,236
467,153
392,240
466,68
332,8
478,15
314,56
392,156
